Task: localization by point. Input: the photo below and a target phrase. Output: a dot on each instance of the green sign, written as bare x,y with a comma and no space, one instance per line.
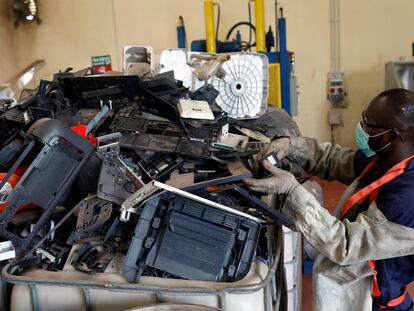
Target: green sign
103,60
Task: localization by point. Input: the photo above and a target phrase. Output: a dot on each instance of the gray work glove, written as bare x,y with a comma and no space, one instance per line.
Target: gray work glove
282,181
279,146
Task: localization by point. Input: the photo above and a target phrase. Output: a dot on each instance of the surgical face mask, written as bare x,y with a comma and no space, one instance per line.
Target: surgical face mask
362,138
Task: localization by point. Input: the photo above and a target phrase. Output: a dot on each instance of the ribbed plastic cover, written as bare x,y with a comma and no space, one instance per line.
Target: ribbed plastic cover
244,90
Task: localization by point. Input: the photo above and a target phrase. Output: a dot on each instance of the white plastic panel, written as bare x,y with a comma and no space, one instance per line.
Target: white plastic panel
290,244
244,90
292,269
293,300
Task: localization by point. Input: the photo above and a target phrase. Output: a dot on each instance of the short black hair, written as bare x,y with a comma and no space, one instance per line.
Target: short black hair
401,105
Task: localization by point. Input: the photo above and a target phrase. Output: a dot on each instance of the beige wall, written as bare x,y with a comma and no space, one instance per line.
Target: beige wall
8,62
373,32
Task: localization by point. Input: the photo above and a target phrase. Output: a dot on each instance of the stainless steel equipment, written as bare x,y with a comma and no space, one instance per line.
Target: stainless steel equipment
399,75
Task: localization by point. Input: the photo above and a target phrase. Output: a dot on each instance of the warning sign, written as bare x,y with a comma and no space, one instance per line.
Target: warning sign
101,63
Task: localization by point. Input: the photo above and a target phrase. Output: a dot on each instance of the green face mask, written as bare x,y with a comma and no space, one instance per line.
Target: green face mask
362,138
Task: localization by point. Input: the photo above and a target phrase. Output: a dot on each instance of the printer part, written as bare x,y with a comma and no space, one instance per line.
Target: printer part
186,239
48,178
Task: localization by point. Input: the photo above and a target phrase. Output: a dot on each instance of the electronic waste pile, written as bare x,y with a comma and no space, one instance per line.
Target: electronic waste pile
140,169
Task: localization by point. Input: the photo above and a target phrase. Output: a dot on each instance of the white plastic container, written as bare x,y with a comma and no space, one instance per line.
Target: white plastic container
38,289
293,267
290,244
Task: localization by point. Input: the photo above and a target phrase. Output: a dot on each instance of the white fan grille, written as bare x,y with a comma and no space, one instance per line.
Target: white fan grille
241,91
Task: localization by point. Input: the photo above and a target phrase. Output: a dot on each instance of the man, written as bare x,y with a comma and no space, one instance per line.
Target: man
367,247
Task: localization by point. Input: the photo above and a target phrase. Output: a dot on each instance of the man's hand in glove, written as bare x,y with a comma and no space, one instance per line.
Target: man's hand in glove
279,146
282,181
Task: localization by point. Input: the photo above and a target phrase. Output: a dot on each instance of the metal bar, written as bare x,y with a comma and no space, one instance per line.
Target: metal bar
284,65
33,250
205,201
260,26
209,25
17,163
34,298
87,297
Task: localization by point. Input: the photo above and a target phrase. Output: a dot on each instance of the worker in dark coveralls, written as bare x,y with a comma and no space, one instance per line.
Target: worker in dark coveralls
367,247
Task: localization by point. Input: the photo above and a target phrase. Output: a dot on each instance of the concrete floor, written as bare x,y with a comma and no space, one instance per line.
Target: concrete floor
332,191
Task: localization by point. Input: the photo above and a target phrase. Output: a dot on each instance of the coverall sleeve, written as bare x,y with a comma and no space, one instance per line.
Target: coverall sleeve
327,161
370,236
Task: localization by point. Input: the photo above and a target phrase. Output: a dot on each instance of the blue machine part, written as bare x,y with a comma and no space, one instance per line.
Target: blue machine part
222,46
284,66
293,95
181,37
273,57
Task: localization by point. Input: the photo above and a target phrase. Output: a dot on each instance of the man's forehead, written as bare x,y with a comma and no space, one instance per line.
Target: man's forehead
378,107
381,111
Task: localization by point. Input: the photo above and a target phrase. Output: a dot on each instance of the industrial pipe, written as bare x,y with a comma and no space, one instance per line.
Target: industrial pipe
209,24
260,26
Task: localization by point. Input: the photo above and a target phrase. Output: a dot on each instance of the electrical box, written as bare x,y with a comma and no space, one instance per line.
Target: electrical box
336,87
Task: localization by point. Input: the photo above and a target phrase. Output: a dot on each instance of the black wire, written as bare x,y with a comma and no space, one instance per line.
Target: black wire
237,25
245,45
218,21
250,28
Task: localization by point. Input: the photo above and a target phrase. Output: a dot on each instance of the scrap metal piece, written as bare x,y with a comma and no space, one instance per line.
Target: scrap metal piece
180,180
101,115
93,214
138,60
129,206
238,172
191,240
7,250
160,136
253,134
117,180
277,216
53,257
158,166
48,178
93,258
232,142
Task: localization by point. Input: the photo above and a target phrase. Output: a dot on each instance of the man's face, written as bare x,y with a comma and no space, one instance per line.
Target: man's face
380,124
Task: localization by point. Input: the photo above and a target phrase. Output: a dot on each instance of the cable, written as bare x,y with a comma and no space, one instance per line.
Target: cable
116,39
245,45
276,28
237,25
218,20
250,22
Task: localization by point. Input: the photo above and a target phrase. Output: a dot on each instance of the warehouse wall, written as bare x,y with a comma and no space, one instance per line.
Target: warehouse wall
8,62
373,32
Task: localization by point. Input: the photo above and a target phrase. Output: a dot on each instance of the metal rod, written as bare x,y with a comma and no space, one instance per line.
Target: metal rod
53,230
17,163
209,25
260,26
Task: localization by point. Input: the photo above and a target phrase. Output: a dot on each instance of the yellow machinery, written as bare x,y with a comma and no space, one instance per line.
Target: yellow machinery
260,26
209,23
274,68
275,94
